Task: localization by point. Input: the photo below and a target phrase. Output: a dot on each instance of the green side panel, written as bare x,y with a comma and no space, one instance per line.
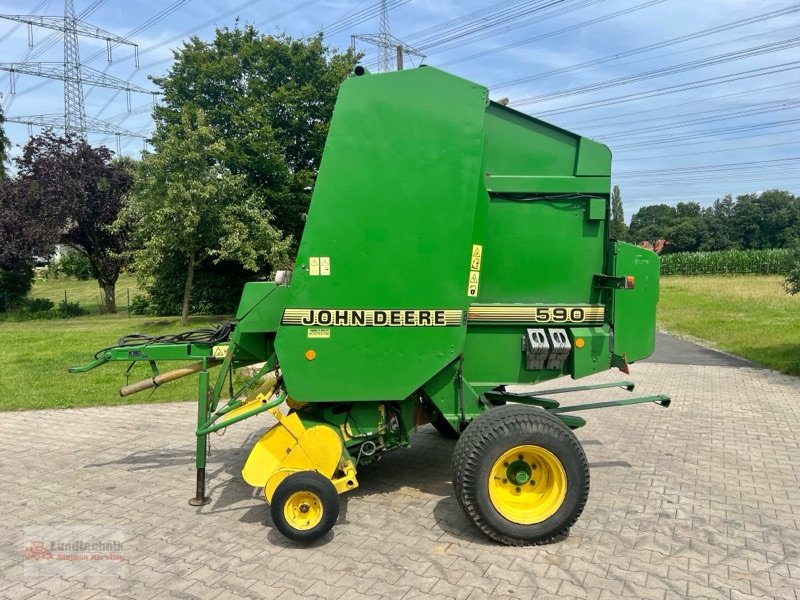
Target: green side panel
595,356
261,307
526,155
597,209
542,251
493,356
594,159
634,310
393,212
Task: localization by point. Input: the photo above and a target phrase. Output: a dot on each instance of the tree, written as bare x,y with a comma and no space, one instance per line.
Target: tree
721,234
185,202
270,99
652,223
82,188
29,228
618,229
792,282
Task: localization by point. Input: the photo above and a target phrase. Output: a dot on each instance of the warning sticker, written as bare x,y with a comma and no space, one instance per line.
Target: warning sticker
475,261
324,265
319,333
474,281
313,265
219,351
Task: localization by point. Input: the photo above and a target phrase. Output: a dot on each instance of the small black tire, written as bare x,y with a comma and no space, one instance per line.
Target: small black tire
520,475
305,506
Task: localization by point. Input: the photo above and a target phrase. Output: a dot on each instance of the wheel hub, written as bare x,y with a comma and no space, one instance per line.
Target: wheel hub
519,472
303,510
517,495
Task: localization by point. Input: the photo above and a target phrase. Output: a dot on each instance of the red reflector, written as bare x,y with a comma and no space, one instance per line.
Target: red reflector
629,282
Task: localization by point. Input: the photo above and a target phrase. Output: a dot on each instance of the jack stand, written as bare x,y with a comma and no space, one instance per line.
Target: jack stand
200,498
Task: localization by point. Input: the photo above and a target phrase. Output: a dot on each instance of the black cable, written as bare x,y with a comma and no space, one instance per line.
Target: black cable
205,336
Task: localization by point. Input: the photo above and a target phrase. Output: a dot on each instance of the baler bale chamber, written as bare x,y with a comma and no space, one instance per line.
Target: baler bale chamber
453,247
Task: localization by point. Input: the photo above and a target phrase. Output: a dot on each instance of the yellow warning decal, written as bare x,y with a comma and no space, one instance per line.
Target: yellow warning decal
536,314
474,270
219,351
348,317
475,260
313,265
474,281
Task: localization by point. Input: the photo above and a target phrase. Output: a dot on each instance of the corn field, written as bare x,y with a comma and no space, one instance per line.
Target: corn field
775,261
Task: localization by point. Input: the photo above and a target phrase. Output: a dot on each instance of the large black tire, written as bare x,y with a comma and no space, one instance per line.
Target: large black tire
305,506
536,494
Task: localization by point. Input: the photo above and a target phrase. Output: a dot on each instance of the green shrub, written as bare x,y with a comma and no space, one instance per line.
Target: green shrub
33,305
792,283
14,286
68,310
140,305
34,310
775,261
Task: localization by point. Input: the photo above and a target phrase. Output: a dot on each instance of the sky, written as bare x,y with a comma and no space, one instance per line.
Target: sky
695,99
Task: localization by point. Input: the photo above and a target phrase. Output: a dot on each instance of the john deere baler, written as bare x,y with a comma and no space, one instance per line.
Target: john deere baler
453,247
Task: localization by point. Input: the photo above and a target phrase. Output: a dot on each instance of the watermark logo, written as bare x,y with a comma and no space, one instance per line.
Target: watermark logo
72,550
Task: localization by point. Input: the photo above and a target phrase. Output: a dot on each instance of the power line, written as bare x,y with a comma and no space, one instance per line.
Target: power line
654,46
664,71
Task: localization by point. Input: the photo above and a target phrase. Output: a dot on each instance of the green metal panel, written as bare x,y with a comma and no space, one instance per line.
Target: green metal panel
261,307
597,209
393,213
493,356
595,355
541,251
634,312
524,154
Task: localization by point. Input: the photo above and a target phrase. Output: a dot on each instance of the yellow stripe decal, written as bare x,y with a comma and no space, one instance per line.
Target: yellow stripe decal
537,314
348,317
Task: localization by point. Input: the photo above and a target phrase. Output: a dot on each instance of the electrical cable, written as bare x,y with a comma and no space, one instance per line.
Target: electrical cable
206,336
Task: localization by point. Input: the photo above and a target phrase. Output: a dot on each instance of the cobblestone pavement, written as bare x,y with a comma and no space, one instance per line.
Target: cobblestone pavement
699,500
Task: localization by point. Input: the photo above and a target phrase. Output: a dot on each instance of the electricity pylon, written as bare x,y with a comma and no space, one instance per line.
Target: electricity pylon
72,73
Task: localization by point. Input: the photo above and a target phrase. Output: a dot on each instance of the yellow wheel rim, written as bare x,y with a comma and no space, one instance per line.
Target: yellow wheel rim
303,510
527,484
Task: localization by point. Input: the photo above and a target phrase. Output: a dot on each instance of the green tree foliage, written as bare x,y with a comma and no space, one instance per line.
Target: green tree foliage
187,206
75,191
28,229
770,219
270,99
619,230
15,283
793,276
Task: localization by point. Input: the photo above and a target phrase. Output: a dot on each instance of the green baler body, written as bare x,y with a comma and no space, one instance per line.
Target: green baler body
442,227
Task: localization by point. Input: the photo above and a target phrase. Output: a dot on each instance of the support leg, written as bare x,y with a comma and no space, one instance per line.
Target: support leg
200,497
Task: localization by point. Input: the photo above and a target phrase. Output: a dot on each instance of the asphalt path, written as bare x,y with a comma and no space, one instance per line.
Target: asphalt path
675,351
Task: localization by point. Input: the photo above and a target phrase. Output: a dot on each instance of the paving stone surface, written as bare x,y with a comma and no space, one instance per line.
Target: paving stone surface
701,500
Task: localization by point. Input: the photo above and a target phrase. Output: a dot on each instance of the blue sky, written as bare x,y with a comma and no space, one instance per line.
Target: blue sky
695,99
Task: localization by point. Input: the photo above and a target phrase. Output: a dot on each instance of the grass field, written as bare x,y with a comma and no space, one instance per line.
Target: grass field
750,316
36,354
85,292
747,315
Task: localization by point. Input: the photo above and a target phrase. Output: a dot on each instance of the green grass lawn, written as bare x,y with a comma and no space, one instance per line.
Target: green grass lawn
747,315
750,316
36,354
85,292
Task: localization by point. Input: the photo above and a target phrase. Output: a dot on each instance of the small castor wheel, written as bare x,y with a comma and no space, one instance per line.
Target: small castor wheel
305,506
